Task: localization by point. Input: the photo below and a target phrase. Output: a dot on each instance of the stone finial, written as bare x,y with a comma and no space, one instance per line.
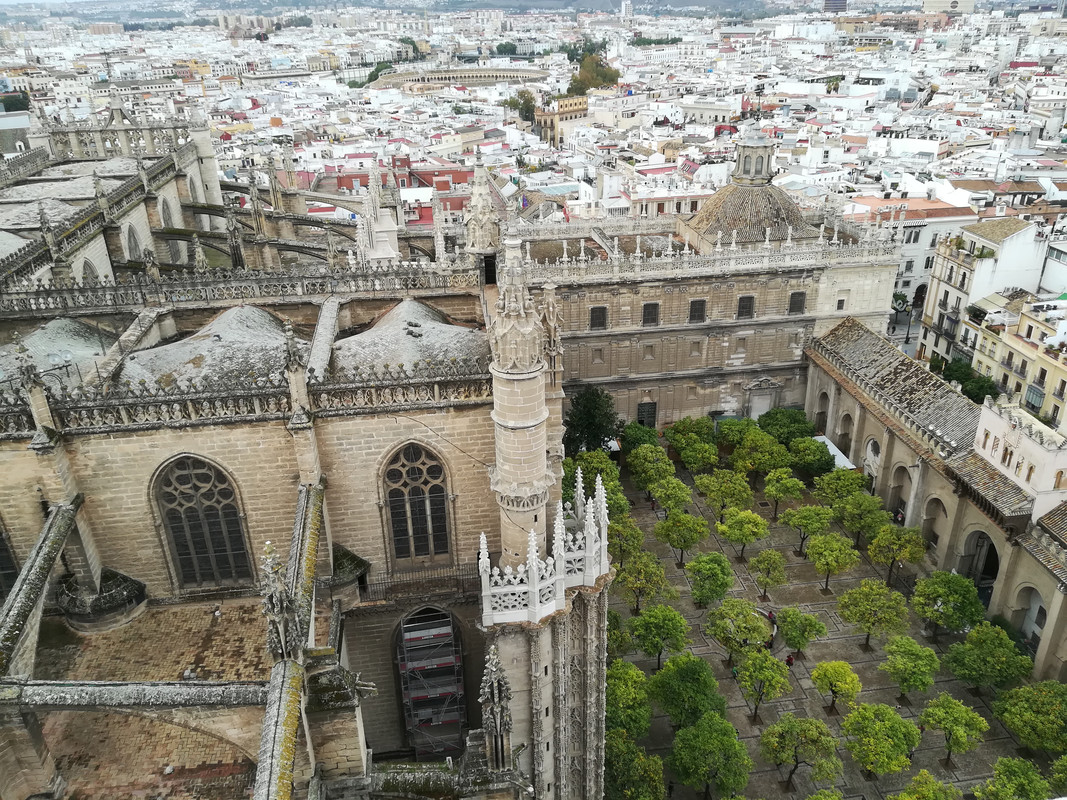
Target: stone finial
483,554
283,636
516,332
200,263
27,370
551,320
495,699
151,263
292,353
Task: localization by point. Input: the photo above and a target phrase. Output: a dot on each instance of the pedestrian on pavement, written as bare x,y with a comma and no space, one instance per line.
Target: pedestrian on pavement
789,661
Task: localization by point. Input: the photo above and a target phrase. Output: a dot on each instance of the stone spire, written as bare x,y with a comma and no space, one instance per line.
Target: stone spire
520,477
516,333
495,697
259,222
438,210
289,165
199,258
483,226
276,199
374,191
233,237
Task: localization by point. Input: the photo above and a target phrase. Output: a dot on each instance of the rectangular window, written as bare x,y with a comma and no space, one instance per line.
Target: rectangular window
911,235
1029,331
933,240
797,302
598,318
741,343
650,352
646,414
650,314
909,265
928,263
698,310
598,355
695,349
841,304
746,307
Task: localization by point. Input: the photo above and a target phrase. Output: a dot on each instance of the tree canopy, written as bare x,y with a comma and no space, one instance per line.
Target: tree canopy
1037,714
988,657
760,452
629,772
767,569
946,600
802,741
1013,779
642,577
925,786
837,679
761,677
911,666
807,521
962,725
710,576
590,421
681,531
879,739
861,515
657,629
742,527
737,626
635,434
672,494
627,699
649,464
624,539
710,753
797,629
722,489
894,544
781,485
786,424
811,458
838,484
686,690
832,554
592,74
875,609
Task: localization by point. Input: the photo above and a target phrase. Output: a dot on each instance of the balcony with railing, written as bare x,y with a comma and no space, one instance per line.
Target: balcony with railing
457,580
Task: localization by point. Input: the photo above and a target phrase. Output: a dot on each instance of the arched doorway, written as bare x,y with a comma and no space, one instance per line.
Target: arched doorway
844,434
981,563
1031,617
935,520
872,459
430,662
920,297
820,412
900,491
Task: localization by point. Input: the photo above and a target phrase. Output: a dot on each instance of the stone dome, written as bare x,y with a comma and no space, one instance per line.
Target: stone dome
750,203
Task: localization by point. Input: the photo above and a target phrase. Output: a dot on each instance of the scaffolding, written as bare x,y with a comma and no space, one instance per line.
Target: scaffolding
431,683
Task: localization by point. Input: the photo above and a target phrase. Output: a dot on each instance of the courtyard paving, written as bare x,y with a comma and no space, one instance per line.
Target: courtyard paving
843,642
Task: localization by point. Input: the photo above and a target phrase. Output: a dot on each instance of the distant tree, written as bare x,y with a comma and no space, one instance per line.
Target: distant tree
629,772
686,690
761,677
1013,779
807,521
875,609
624,539
831,554
619,641
862,515
837,679
879,739
893,544
786,424
681,531
627,703
945,600
838,484
642,577
988,657
767,569
302,21
672,495
742,527
722,489
649,464
1037,714
781,485
925,786
703,428
795,741
698,456
759,452
593,74
811,458
507,49
732,431
797,629
979,387
911,666
737,626
15,101
709,754
590,421
658,629
962,725
710,576
635,434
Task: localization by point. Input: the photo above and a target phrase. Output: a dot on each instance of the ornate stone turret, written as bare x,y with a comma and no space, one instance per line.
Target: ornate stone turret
552,321
495,697
289,165
374,191
520,478
438,227
259,222
483,226
233,236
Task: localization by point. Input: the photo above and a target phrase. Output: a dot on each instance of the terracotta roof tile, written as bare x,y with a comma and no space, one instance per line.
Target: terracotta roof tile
994,486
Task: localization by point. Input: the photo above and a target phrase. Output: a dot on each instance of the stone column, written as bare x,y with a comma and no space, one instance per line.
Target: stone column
858,435
913,514
1046,662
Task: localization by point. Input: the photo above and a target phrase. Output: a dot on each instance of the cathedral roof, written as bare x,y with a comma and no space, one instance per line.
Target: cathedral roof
409,332
239,342
750,210
58,337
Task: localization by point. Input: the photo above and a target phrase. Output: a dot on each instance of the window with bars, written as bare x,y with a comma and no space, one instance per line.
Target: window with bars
746,307
798,302
650,314
417,499
698,310
598,318
203,524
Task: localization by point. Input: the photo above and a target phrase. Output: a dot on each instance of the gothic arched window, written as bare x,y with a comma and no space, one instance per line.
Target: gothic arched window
134,251
747,170
759,165
203,524
417,501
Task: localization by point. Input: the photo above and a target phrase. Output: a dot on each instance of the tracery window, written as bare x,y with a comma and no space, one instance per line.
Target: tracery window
203,524
417,501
